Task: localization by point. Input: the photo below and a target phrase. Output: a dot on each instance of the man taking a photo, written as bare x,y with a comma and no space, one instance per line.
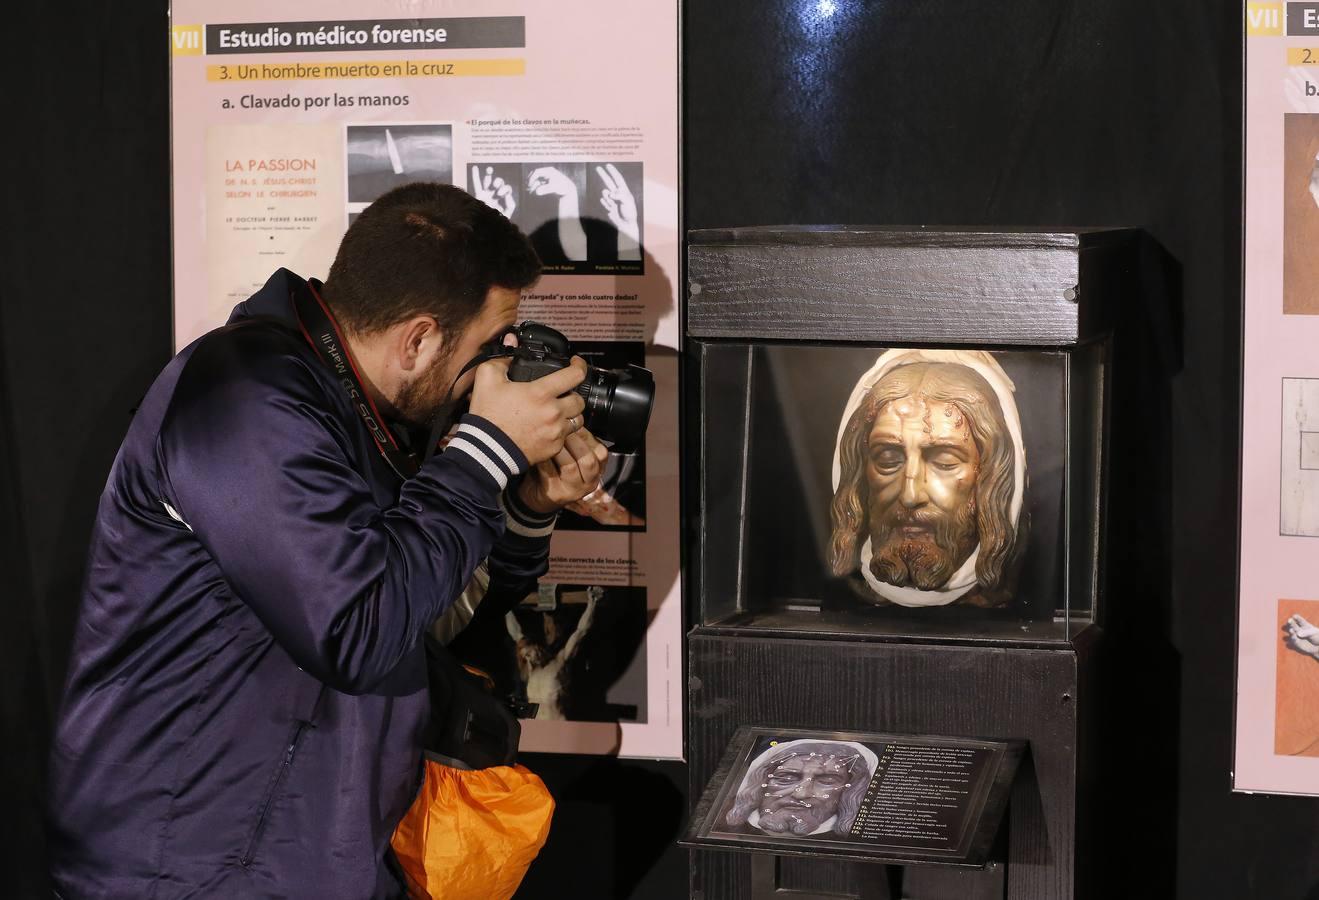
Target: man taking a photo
247,685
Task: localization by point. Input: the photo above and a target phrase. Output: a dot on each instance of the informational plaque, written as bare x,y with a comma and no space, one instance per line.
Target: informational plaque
881,797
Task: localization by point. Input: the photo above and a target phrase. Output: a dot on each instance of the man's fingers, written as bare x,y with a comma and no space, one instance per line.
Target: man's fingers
564,380
587,444
570,407
583,445
576,444
494,368
566,463
589,466
565,458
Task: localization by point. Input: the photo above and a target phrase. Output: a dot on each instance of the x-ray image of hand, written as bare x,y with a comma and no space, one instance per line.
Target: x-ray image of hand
549,181
619,204
1301,636
493,191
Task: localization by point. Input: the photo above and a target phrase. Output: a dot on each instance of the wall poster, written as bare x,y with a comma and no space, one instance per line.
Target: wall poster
286,123
1277,702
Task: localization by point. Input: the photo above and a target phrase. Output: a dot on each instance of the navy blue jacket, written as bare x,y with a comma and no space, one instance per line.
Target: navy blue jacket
247,681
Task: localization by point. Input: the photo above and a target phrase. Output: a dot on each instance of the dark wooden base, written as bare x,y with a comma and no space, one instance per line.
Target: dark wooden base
772,879
1032,694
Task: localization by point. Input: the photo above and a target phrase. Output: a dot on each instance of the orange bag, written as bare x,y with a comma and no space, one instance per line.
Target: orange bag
472,834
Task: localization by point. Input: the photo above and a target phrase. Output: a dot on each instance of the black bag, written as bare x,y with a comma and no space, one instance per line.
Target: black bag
469,724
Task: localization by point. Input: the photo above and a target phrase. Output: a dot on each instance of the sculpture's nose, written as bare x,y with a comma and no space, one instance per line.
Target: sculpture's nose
913,483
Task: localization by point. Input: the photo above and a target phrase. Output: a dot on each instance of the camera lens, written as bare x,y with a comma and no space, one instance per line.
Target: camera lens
618,404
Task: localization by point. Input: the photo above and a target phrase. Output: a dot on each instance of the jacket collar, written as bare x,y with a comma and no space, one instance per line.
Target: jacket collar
272,301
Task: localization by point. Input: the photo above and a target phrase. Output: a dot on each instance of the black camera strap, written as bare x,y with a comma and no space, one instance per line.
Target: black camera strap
322,332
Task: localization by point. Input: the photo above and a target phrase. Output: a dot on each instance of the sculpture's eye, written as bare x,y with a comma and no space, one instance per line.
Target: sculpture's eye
888,460
946,462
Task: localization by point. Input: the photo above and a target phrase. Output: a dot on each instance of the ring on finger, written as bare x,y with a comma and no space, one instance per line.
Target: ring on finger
576,422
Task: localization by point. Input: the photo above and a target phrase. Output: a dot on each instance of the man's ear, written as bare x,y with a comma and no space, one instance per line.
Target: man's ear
419,341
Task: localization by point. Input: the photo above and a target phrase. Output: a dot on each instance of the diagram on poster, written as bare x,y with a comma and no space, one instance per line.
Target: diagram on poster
577,653
383,157
285,127
1300,457
1296,727
1300,197
583,217
273,199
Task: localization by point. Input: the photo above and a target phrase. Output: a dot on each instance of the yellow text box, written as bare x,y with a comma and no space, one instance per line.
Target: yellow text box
1264,19
392,68
185,40
1303,56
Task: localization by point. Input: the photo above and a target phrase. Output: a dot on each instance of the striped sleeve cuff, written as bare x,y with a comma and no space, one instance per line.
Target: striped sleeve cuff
521,520
485,451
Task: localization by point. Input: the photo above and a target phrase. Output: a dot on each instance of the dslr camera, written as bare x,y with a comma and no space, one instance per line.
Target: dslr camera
618,401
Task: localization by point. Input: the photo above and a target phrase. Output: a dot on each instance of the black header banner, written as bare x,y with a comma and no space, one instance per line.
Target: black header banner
464,33
1302,18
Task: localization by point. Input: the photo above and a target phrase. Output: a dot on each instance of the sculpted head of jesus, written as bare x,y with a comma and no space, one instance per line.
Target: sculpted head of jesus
926,476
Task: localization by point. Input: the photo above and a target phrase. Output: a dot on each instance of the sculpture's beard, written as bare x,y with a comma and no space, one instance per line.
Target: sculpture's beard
790,816
921,548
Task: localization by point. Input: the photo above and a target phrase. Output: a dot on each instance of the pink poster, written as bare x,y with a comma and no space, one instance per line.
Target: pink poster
1277,702
290,118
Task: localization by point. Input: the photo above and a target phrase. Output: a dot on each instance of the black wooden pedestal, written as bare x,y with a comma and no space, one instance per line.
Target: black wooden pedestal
1035,694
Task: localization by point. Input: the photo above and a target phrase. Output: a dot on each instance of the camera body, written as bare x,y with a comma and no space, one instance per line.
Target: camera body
618,401
540,351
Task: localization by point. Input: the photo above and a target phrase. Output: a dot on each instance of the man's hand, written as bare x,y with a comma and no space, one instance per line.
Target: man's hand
534,414
573,473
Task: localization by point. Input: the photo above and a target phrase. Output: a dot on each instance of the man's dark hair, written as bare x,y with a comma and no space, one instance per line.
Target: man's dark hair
425,249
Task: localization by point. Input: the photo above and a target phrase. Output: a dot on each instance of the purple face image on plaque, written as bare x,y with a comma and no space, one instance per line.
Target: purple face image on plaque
803,787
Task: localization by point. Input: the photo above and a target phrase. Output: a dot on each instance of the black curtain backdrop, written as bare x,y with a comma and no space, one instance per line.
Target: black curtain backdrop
1038,112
